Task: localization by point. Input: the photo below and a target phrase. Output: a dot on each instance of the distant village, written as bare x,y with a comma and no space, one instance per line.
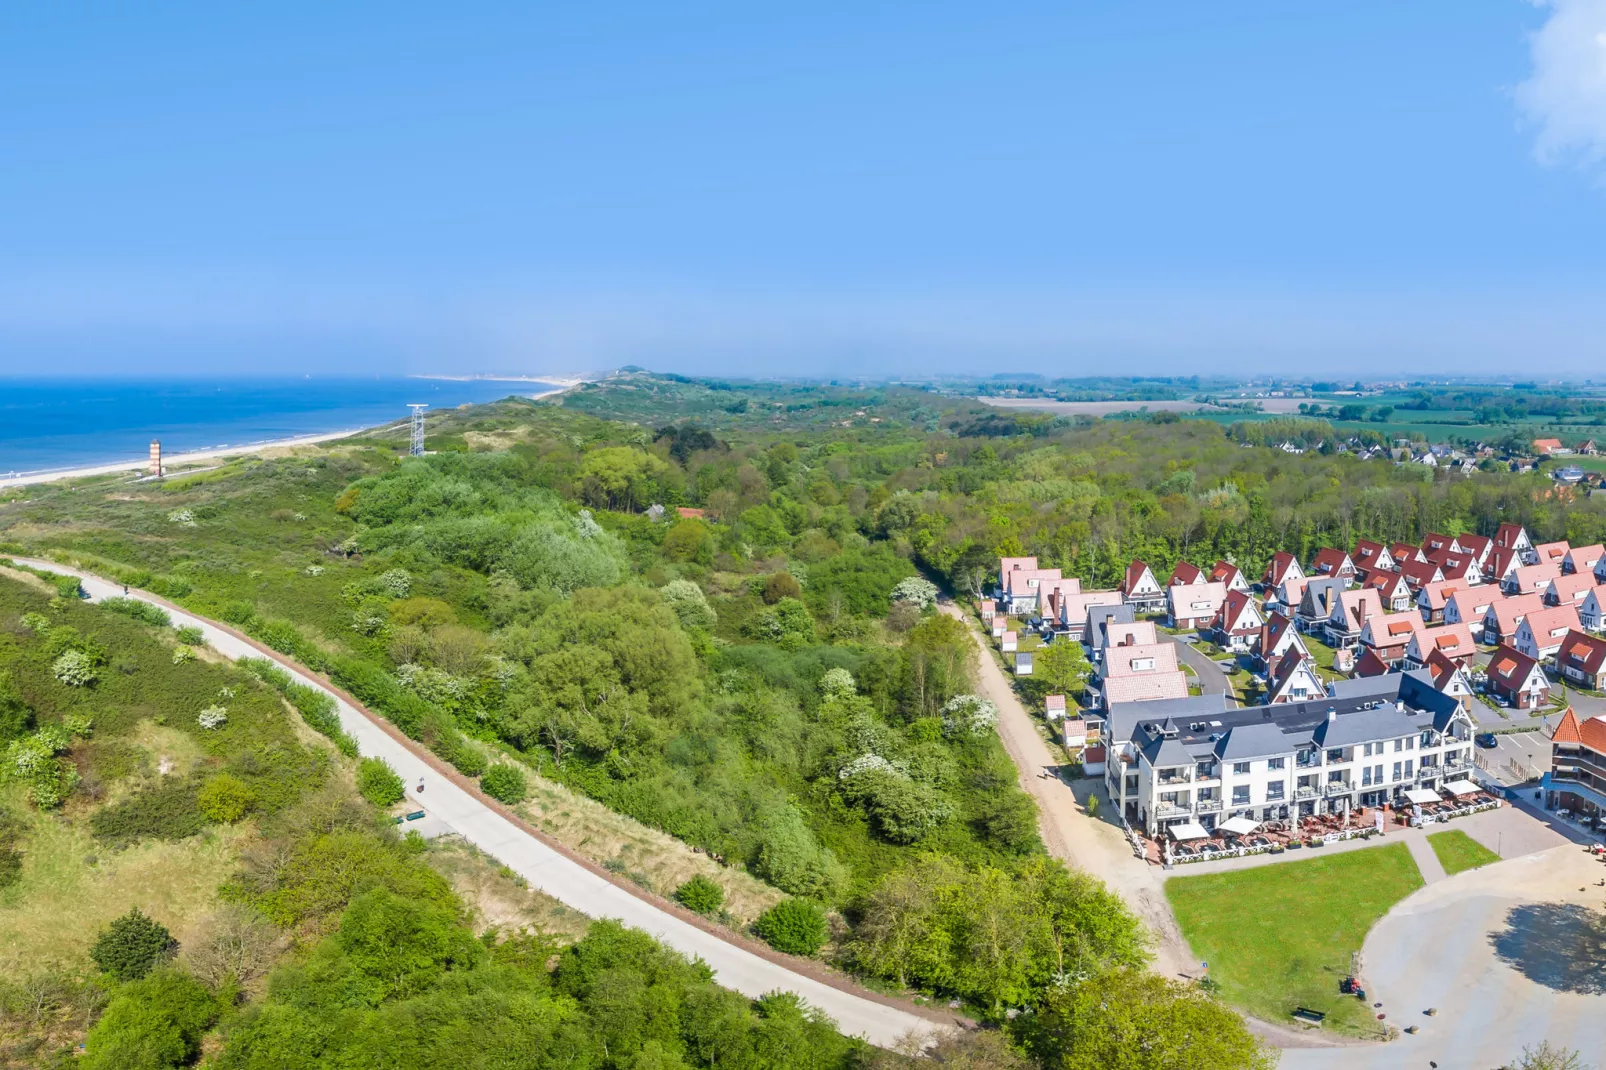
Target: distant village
1361,670
1480,457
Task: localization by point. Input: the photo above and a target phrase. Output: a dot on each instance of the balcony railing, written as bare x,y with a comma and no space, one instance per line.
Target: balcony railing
1307,793
1209,806
1339,787
1171,778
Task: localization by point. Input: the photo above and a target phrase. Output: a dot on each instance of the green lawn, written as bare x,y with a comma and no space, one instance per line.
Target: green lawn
1458,851
1279,936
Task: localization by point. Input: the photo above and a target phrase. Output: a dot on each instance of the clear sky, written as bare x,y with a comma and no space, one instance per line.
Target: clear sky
1072,188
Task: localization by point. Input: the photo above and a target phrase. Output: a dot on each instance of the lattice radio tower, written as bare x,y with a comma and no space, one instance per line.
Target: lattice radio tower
415,446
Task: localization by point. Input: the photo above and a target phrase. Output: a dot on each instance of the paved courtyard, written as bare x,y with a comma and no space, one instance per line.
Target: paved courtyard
1509,955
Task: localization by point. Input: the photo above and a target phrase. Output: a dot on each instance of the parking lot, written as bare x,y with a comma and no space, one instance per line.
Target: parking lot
1517,756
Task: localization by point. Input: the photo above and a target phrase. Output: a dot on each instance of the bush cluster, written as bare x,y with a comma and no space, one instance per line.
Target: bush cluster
795,926
504,783
379,784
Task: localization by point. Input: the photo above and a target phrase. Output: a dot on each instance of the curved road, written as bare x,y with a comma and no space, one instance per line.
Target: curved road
559,876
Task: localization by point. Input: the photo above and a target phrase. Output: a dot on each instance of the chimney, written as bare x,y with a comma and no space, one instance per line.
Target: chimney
156,458
1332,715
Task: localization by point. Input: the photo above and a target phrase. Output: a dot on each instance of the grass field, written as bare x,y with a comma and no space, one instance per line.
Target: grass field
1457,851
1279,937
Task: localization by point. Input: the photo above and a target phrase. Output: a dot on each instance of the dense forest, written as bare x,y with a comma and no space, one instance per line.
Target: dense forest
721,628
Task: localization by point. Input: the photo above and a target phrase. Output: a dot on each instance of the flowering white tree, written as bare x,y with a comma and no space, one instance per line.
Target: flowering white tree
918,591
74,668
838,682
968,715
212,717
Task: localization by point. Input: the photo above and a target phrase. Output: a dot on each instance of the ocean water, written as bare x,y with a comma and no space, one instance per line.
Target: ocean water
68,423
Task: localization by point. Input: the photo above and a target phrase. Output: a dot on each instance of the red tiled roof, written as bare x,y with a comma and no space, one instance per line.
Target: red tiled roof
1185,573
1510,666
1440,593
1134,574
1371,665
1583,652
1507,535
688,513
1329,562
1278,567
1146,687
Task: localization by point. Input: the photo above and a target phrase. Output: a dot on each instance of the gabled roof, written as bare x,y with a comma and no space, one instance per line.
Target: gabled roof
1433,542
1130,633
1185,573
1587,731
1451,640
1225,572
1404,551
1420,573
1544,623
1360,605
1260,739
1511,668
1073,608
1502,560
1572,588
1507,610
1330,562
1010,564
1134,575
1235,608
1287,670
1552,551
1476,545
1387,584
1472,602
1444,671
1582,652
1278,568
1207,597
1369,664
1437,595
1146,687
1119,660
1546,445
1369,554
1531,577
1585,558
1392,630
1510,536
1020,580
1278,626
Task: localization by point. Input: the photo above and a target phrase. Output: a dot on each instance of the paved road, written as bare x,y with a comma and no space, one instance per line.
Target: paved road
1212,681
552,872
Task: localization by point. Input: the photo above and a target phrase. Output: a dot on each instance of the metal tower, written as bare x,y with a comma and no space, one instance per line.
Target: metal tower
415,446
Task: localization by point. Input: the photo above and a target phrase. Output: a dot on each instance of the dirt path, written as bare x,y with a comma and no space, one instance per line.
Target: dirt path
1091,844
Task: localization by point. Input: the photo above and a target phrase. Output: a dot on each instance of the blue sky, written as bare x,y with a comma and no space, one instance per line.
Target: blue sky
818,189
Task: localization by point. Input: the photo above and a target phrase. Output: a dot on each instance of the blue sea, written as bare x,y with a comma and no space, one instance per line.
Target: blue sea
69,423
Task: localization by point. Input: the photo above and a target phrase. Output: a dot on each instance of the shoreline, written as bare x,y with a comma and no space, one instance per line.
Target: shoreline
141,465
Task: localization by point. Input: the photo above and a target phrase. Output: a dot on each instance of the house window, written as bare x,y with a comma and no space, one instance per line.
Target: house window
1410,743
1366,776
1407,767
1396,770
1240,796
1335,755
1427,738
1240,769
1335,777
1399,745
1275,763
1274,791
1142,664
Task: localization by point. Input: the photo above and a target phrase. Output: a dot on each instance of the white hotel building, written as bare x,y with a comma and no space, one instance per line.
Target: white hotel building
1179,760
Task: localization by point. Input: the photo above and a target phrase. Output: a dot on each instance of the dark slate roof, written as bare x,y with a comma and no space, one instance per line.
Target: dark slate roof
1099,616
1162,750
1360,710
1258,740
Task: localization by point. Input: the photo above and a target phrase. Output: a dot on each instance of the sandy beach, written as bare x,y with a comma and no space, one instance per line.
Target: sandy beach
140,465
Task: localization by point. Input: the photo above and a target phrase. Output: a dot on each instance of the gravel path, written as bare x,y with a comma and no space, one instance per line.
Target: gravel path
448,798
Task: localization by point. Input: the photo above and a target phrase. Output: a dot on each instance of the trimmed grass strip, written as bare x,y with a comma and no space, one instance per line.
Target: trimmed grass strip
1279,937
1457,851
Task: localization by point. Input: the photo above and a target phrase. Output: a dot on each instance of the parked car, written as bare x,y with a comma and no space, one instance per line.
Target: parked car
1486,740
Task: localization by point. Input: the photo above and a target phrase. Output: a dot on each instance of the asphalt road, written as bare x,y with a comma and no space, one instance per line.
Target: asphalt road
1211,680
547,869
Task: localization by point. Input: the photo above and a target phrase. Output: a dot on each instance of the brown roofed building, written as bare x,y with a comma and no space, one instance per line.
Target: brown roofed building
1518,679
1333,563
1582,660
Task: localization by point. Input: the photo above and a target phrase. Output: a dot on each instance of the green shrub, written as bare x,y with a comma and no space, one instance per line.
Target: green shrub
153,1024
191,636
378,783
225,799
68,587
74,668
795,926
1092,806
142,611
701,894
168,811
504,783
133,945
